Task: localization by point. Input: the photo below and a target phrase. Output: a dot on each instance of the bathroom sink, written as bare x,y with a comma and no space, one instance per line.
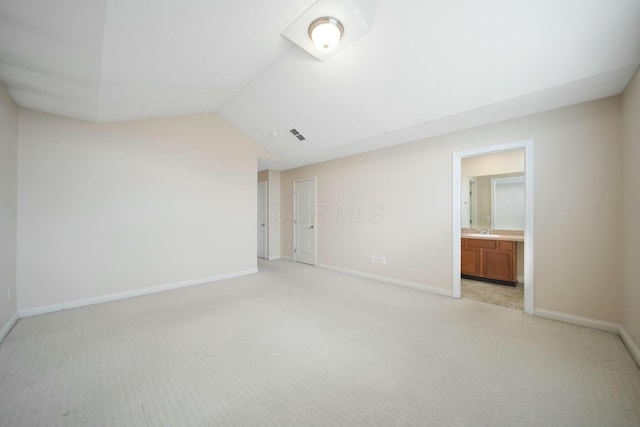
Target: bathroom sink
488,236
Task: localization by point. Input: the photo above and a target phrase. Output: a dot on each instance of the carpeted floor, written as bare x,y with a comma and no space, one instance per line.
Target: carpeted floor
300,346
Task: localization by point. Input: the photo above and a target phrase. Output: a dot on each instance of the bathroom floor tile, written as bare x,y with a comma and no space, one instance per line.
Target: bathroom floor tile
491,293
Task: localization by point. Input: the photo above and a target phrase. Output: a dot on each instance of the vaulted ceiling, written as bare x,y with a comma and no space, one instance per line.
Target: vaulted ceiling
425,67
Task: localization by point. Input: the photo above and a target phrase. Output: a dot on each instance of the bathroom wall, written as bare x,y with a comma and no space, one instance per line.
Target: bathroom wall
493,164
507,163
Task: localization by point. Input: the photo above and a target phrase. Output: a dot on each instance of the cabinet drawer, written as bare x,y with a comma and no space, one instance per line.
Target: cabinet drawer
503,244
480,243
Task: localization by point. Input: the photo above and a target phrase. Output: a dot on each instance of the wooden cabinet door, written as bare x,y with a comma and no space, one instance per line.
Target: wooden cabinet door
471,262
499,265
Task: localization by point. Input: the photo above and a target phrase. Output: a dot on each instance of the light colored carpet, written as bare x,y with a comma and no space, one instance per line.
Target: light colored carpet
300,346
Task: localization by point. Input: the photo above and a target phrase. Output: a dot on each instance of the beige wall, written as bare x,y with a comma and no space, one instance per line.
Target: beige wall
493,164
113,208
397,203
631,248
8,206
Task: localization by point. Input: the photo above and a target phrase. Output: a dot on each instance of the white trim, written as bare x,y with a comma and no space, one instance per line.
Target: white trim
520,279
315,217
457,157
631,345
578,320
529,299
587,322
130,294
456,290
389,280
6,328
275,257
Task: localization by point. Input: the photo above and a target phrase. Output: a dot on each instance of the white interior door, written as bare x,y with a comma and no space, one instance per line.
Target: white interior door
262,219
304,216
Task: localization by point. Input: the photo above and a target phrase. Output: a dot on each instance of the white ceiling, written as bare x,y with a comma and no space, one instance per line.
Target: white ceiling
424,68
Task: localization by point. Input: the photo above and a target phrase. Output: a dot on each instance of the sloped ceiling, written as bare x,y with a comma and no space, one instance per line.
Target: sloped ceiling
424,67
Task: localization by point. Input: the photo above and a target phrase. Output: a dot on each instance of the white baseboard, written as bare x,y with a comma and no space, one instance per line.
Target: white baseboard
275,257
130,294
520,279
6,328
632,346
578,320
595,324
392,281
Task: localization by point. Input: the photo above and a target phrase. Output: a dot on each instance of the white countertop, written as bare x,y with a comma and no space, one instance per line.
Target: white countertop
514,236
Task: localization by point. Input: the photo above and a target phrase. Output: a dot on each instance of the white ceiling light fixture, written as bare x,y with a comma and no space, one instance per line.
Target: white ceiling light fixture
326,32
320,30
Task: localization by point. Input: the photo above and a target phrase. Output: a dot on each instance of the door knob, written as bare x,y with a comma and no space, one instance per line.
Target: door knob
262,225
311,227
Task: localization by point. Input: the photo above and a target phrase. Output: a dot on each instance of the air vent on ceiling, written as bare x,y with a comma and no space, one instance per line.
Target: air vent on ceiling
297,134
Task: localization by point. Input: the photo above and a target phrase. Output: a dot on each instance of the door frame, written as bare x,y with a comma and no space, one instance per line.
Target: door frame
529,283
315,217
266,217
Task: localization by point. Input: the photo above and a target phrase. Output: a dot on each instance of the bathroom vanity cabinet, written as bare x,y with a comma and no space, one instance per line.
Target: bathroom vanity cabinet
491,260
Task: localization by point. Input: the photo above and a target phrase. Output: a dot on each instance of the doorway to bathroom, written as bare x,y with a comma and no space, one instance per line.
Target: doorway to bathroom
493,223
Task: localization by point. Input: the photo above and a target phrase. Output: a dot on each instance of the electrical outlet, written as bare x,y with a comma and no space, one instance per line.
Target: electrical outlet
373,259
383,260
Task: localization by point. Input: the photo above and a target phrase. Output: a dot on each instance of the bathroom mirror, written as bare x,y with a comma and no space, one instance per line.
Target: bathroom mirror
493,202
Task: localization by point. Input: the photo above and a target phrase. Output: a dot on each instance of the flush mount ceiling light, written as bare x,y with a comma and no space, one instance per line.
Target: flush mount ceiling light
325,33
336,16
